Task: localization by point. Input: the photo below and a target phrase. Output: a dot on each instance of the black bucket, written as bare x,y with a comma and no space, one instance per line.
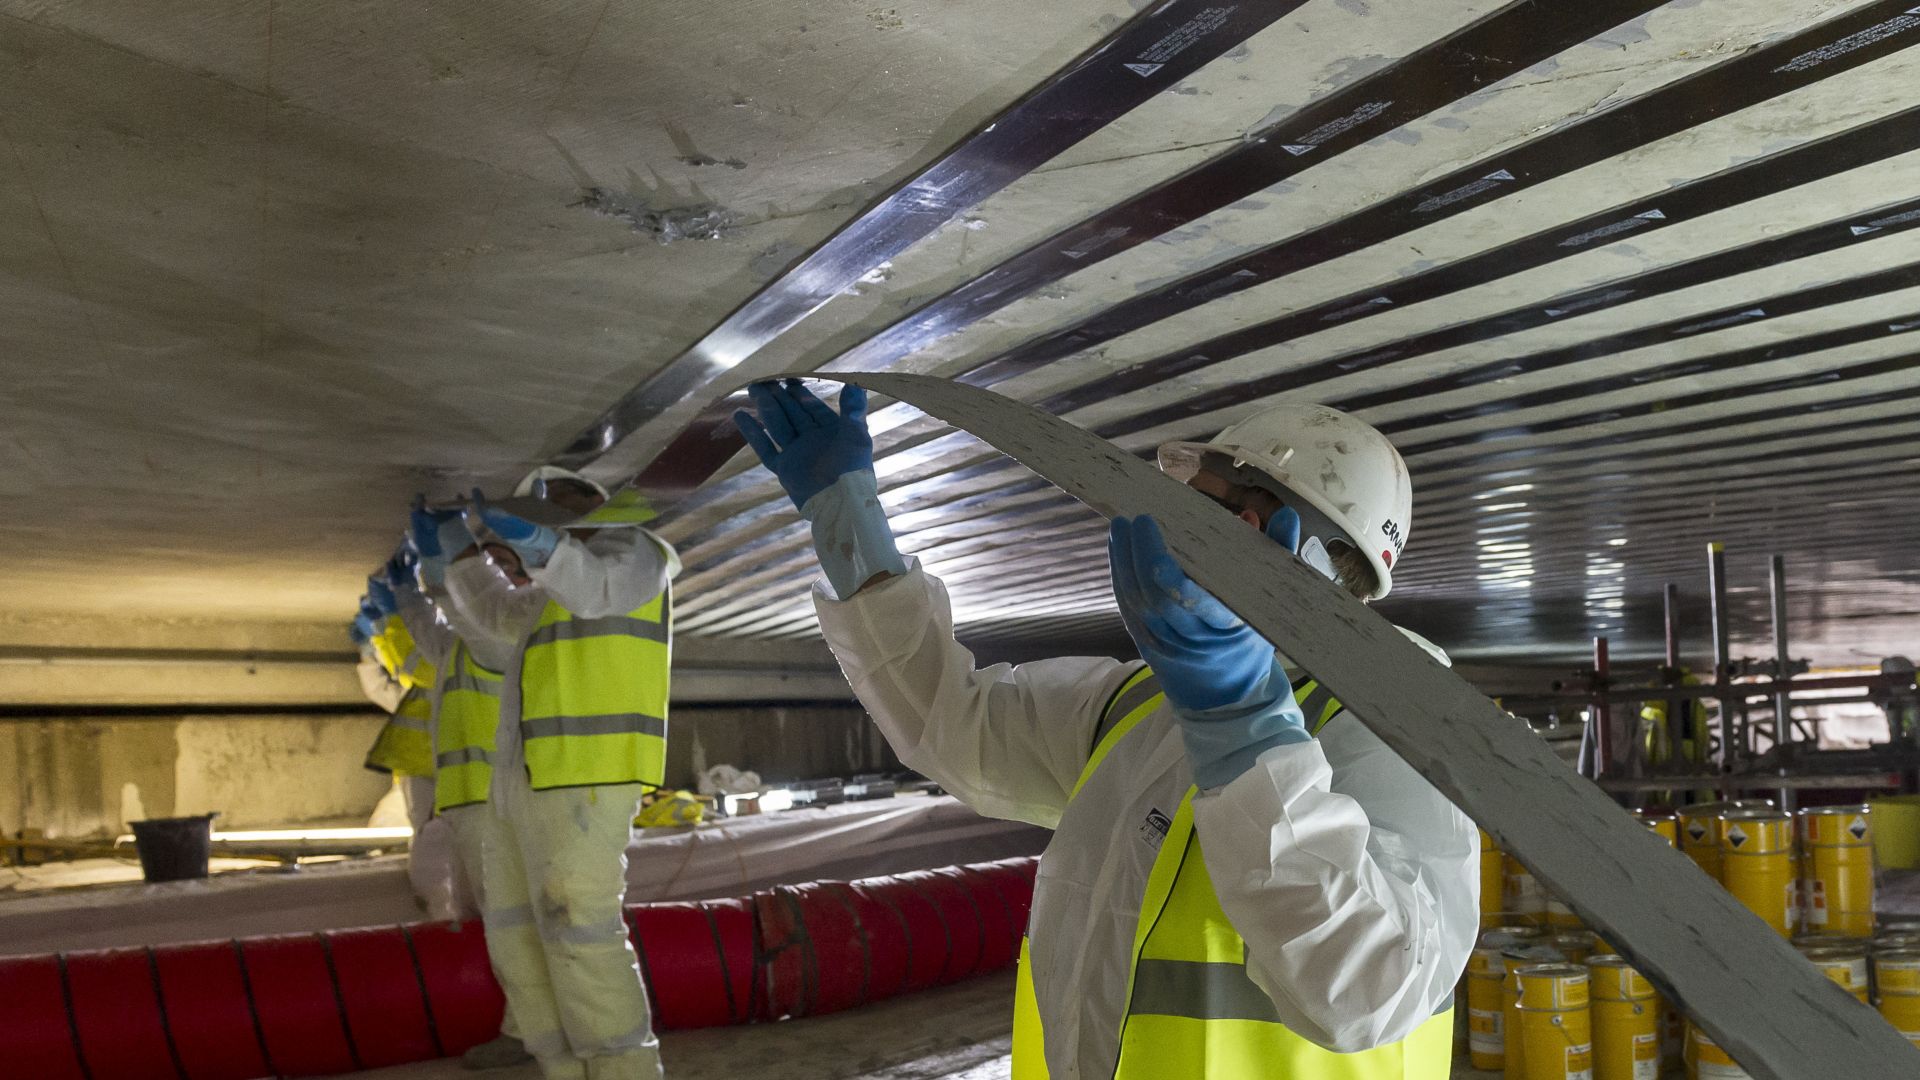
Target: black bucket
174,848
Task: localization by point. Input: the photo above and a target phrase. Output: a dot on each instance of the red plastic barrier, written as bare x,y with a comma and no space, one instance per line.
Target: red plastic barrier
462,996
36,1035
834,945
297,1005
703,954
209,1011
116,1010
317,1004
382,997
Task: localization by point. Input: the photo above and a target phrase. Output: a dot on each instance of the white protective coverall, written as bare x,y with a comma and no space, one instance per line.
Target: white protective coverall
1353,881
432,855
430,620
555,861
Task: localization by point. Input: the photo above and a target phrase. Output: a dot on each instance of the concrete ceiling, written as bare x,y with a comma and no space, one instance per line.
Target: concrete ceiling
269,269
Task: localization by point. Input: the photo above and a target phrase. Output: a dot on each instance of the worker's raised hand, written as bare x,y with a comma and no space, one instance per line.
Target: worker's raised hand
534,543
1205,655
399,571
801,440
424,526
380,595
1225,684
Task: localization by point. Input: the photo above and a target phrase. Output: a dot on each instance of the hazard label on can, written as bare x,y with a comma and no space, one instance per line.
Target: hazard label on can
1646,1057
1486,1031
1736,835
1580,1062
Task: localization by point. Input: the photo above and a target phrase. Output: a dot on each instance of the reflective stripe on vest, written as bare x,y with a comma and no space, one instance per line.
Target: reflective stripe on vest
404,746
468,720
1317,703
593,697
1192,1008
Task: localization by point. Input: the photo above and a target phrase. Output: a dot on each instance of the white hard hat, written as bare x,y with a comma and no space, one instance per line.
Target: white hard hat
1340,465
534,482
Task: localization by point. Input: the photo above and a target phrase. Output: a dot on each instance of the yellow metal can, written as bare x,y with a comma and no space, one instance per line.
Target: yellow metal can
1836,882
1522,897
1903,1012
1708,1061
1556,1025
1513,1063
1756,852
1493,882
1846,967
1699,835
1486,1022
1897,975
1662,821
1575,945
1627,1022
1897,971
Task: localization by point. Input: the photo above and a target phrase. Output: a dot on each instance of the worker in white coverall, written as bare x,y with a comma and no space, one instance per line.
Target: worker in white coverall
1235,887
403,748
459,703
574,616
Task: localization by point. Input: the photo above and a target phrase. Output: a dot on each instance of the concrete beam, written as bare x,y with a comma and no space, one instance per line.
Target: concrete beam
66,677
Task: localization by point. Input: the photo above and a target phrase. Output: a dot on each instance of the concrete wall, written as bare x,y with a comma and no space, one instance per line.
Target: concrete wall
88,777
74,777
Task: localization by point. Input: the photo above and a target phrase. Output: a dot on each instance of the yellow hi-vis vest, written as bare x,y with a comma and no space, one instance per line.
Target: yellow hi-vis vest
593,697
464,732
404,746
394,647
1192,1010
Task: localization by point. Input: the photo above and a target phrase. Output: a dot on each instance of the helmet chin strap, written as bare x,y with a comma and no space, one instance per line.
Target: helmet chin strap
1314,553
1317,530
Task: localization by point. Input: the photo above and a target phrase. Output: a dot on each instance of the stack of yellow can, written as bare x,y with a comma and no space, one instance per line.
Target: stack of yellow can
1486,993
1897,981
1756,865
1836,887
1556,1025
1698,830
1629,1021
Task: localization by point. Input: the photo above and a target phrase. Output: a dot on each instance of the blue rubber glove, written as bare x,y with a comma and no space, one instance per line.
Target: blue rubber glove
851,536
372,614
437,536
398,573
533,543
1224,681
360,630
380,595
802,441
423,525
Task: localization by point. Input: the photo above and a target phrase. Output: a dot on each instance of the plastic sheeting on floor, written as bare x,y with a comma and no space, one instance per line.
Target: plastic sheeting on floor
723,858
